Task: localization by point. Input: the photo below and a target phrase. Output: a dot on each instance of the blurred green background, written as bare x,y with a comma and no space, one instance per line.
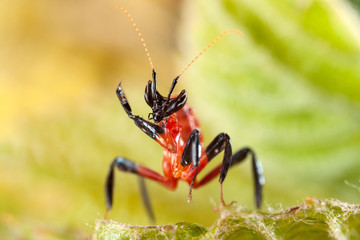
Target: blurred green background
290,89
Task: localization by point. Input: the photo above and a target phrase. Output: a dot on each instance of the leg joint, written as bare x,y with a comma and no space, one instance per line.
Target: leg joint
124,165
224,137
217,145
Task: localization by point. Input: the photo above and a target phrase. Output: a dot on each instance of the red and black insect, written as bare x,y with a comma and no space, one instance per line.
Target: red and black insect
175,127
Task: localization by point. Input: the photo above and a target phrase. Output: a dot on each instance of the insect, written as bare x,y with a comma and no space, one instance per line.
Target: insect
173,125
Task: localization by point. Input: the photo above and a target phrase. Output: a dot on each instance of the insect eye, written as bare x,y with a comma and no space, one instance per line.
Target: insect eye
158,116
148,94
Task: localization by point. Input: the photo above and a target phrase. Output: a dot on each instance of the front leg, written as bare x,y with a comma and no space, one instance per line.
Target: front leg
191,155
152,130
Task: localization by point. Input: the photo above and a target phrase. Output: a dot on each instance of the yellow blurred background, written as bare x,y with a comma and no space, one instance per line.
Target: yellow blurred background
60,62
61,123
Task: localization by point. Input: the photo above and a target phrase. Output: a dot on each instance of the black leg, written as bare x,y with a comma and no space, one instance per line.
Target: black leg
191,155
146,199
149,128
125,165
221,142
152,130
257,169
123,100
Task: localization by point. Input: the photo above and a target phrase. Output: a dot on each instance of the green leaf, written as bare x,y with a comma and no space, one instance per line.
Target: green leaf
289,88
313,219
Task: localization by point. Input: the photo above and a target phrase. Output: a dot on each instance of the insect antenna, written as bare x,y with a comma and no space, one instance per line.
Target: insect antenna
139,34
209,46
201,53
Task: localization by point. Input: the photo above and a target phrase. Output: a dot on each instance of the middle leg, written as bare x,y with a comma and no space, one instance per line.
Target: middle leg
214,148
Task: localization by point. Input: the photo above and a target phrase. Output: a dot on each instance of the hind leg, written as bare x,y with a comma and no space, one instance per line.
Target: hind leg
126,165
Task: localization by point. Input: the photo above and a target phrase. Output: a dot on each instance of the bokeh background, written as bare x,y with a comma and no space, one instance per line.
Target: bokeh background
290,89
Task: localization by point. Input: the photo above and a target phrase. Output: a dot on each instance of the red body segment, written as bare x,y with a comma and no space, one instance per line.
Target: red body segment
178,128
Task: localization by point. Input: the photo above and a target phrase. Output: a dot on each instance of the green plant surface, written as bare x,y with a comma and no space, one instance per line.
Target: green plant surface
313,219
